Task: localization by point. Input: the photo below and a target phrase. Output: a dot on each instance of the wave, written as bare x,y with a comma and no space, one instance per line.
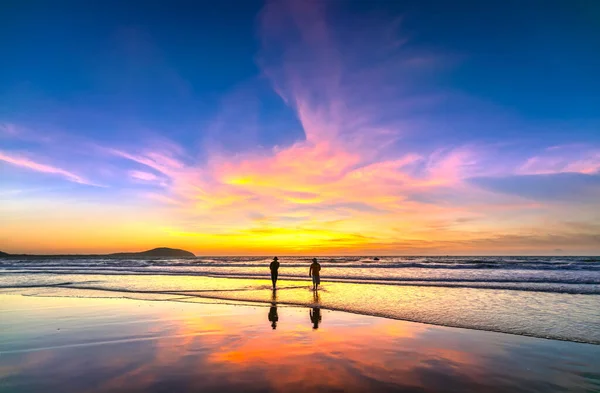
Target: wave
583,286
470,265
562,279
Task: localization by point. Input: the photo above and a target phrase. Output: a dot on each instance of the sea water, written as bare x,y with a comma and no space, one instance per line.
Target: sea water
549,297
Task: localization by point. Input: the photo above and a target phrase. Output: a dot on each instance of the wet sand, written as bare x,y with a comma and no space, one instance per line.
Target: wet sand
566,317
122,345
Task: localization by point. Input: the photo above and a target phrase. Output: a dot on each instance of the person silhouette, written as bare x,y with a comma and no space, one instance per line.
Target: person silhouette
274,266
314,272
273,317
315,312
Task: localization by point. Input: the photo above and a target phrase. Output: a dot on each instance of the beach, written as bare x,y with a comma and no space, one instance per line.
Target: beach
300,196
123,345
215,324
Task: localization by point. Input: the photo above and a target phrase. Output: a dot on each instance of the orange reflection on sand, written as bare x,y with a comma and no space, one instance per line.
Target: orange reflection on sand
343,352
237,345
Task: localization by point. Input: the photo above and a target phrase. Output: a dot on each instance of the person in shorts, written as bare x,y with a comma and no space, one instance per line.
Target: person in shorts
314,272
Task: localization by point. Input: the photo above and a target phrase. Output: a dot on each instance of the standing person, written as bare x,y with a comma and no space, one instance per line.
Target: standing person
274,266
314,272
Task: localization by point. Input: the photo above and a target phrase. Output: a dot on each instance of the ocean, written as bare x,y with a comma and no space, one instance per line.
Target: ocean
547,297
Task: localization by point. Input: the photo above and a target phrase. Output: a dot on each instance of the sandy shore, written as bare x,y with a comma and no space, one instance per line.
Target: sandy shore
112,345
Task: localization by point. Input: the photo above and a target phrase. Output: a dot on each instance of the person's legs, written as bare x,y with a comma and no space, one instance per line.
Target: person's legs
274,279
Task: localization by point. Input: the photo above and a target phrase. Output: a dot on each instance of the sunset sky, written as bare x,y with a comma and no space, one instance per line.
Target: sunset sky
300,127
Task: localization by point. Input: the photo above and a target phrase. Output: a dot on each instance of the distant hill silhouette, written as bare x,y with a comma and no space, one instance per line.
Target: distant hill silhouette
160,252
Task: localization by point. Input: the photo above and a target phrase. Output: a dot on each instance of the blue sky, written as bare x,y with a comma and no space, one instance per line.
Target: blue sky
473,112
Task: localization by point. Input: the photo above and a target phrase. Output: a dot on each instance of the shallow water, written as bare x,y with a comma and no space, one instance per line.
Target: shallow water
549,274
557,298
121,345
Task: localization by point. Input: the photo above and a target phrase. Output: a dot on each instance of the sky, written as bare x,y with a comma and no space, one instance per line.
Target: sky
300,127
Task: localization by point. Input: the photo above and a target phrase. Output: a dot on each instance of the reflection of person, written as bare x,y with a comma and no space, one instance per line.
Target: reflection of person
273,317
274,266
315,317
314,272
315,312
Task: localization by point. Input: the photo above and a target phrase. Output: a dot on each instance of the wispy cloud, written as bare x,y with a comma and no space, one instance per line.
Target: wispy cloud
564,159
351,176
145,176
43,168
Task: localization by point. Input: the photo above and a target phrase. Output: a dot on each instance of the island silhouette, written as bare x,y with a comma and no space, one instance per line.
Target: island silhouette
159,252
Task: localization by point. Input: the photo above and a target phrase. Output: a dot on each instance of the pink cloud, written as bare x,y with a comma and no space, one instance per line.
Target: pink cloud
35,166
161,161
563,159
145,176
341,106
339,96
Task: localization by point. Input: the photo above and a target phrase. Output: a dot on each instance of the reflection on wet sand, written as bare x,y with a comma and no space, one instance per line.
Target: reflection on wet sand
315,311
517,312
193,347
273,317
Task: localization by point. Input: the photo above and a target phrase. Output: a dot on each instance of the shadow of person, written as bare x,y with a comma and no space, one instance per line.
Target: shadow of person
273,317
315,312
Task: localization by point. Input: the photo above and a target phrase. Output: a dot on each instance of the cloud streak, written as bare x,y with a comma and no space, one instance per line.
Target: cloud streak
564,159
43,168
